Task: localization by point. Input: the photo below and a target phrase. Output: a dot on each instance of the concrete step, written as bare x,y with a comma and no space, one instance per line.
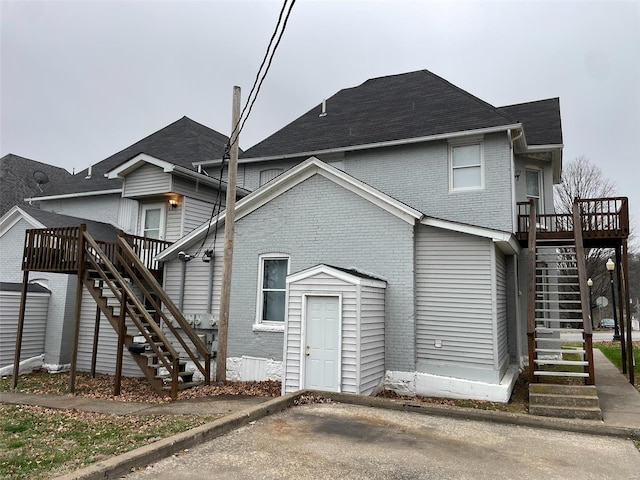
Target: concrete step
584,413
564,401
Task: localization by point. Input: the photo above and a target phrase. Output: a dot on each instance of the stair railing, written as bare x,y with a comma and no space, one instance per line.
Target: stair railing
100,261
531,292
584,292
138,272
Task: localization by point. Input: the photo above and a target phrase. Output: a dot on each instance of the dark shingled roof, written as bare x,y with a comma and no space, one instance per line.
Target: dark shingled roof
398,107
540,120
17,287
180,143
17,182
98,230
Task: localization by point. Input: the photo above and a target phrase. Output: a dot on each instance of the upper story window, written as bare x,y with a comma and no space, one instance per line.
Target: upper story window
466,164
534,188
272,288
270,174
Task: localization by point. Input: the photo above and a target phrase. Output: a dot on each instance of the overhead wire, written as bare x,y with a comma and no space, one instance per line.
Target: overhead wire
253,95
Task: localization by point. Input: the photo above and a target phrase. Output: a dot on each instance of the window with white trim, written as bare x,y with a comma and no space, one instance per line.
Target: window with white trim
272,288
466,166
269,174
534,188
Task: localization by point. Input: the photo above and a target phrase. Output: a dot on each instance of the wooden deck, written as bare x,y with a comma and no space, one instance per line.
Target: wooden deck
605,223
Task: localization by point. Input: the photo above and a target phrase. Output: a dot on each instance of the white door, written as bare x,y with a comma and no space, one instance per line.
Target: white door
322,344
152,221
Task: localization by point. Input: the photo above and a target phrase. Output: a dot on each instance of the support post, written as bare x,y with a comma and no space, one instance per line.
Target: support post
623,347
96,335
227,261
18,350
76,332
627,304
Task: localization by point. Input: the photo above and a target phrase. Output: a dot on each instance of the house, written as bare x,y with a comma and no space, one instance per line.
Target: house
400,235
406,184
150,189
22,177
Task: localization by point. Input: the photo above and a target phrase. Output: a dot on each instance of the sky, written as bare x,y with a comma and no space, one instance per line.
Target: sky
81,80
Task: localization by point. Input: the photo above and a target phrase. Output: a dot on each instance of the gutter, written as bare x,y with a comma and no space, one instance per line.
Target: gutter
74,195
390,143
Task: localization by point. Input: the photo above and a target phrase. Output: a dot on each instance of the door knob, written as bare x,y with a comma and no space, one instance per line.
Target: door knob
308,352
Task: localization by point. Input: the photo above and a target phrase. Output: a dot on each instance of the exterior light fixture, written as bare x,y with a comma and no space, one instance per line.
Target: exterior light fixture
173,203
616,333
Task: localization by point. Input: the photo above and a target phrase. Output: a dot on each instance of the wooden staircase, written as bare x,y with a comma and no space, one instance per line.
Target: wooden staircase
141,314
558,303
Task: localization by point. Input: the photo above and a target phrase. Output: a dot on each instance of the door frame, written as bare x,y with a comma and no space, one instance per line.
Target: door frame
303,335
163,218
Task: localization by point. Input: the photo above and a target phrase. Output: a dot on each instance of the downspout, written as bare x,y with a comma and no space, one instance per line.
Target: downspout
207,257
184,258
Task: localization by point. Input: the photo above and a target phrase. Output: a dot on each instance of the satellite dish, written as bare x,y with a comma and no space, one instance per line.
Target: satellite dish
41,178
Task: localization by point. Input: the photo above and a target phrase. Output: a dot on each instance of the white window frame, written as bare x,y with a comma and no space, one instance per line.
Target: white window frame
466,143
265,325
540,172
163,218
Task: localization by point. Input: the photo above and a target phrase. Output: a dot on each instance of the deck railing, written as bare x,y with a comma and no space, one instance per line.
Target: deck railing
56,250
600,218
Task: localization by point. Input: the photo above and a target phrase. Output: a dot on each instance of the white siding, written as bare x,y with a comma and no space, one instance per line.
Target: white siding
146,180
194,189
107,342
453,301
371,338
362,348
35,324
501,309
196,212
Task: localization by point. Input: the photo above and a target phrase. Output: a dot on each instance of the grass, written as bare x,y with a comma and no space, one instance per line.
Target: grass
613,352
38,443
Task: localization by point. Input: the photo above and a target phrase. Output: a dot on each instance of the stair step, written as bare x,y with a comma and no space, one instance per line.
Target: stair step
560,350
582,413
559,400
182,386
561,362
558,389
552,330
546,373
564,310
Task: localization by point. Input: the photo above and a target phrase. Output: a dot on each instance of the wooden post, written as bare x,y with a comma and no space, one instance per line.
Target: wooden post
621,326
227,261
96,335
76,332
23,306
627,306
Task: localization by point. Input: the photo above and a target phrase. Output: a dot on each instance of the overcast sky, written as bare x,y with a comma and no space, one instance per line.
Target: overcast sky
83,80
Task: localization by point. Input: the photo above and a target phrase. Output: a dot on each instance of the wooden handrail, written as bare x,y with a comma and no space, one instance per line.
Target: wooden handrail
131,296
136,270
584,292
531,292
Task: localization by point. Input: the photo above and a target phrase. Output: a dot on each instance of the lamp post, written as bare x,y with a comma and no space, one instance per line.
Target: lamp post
616,333
590,284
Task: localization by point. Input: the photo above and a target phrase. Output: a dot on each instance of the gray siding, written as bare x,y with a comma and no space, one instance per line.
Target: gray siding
11,250
196,212
146,180
454,304
191,188
101,208
315,222
501,310
35,325
249,173
420,178
173,225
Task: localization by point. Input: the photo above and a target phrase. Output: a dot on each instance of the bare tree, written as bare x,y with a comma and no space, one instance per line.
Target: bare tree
582,179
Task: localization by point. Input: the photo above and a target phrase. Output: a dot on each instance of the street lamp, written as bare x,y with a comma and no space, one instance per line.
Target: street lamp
590,284
616,333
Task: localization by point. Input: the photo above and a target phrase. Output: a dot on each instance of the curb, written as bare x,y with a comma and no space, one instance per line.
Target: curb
120,465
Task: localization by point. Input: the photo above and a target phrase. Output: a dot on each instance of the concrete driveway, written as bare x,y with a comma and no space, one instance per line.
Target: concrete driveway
353,442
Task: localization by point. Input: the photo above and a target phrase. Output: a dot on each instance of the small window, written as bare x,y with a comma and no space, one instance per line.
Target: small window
466,167
534,192
272,288
270,174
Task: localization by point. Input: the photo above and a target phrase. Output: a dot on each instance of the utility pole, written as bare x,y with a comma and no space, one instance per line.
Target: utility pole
227,259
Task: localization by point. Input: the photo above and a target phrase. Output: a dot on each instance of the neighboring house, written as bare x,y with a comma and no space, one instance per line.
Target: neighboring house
150,189
21,178
388,214
61,302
